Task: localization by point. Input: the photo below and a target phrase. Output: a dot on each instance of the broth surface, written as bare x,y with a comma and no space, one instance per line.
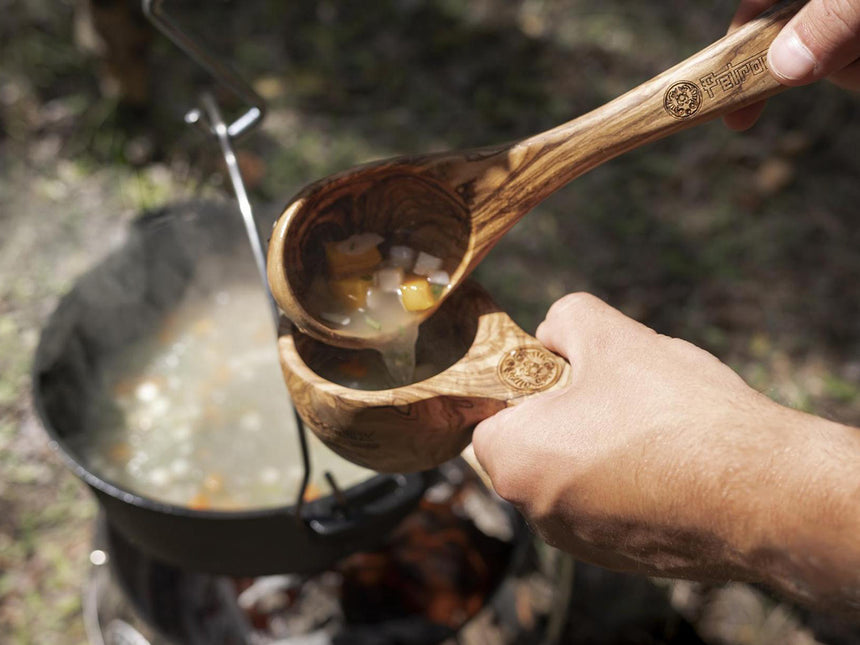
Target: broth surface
198,414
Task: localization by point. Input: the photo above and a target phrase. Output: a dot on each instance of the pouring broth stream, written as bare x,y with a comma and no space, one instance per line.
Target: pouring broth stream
374,288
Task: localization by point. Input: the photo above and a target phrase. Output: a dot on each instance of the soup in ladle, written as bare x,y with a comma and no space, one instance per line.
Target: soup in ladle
376,290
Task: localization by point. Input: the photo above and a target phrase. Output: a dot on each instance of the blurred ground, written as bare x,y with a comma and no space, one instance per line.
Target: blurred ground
745,244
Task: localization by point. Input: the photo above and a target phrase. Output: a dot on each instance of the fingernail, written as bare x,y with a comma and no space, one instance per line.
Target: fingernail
790,59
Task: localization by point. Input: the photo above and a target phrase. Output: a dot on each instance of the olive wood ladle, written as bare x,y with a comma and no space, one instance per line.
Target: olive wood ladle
421,425
457,205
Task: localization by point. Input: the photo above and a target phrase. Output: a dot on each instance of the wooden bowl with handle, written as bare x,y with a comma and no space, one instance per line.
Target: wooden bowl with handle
418,426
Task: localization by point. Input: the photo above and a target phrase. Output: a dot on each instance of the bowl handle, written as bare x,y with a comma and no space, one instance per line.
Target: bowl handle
504,363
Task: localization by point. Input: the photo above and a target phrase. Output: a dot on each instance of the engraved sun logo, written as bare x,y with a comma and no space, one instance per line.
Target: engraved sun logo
528,368
682,99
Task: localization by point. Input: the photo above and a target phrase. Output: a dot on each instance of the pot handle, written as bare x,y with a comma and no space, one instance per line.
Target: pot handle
381,500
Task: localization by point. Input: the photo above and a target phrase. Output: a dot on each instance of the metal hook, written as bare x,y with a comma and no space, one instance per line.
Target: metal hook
153,9
220,130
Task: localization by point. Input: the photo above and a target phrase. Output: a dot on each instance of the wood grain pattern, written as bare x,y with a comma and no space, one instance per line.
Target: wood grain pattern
419,426
457,205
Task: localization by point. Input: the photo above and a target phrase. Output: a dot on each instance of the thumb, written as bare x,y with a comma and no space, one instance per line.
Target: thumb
486,441
822,38
504,443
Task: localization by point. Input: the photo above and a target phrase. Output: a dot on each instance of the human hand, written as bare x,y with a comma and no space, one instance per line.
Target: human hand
659,459
821,41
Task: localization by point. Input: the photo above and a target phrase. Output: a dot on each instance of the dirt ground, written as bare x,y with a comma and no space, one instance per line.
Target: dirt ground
745,244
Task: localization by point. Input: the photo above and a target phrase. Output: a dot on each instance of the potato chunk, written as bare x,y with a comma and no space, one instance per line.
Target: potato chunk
416,295
343,262
351,292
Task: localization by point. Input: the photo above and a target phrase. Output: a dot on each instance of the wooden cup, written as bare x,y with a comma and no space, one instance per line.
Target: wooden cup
421,425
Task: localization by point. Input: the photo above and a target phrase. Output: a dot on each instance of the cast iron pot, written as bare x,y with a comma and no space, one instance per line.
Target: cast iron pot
123,299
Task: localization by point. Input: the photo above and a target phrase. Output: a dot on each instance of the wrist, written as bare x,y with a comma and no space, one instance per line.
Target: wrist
803,508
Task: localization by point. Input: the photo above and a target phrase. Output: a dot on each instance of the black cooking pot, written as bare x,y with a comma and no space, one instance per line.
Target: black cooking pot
123,300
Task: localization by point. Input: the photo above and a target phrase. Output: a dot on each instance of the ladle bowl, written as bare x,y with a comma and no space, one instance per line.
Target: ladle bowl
457,205
398,199
419,426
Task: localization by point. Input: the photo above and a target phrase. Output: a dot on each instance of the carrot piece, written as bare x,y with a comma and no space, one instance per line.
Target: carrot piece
353,367
312,492
199,502
119,453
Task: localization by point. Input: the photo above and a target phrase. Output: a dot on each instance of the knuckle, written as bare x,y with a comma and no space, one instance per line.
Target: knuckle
576,322
579,301
579,306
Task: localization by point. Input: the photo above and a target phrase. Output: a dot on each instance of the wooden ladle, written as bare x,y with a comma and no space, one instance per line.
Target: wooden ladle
419,426
457,205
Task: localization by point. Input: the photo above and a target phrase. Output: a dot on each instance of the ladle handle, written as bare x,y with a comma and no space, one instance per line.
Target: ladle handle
727,75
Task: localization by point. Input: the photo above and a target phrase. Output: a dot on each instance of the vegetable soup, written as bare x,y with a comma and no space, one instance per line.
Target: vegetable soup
198,414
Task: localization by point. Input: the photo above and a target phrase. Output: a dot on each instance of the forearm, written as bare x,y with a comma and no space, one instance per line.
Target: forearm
804,538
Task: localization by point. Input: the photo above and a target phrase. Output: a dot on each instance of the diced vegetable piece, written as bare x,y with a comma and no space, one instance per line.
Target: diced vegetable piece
425,264
439,277
344,263
389,279
341,320
335,318
180,467
312,492
213,483
372,322
351,292
375,298
203,327
199,502
415,294
401,256
147,391
159,477
120,453
353,368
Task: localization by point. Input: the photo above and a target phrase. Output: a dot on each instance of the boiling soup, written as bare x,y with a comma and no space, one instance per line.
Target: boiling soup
198,414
